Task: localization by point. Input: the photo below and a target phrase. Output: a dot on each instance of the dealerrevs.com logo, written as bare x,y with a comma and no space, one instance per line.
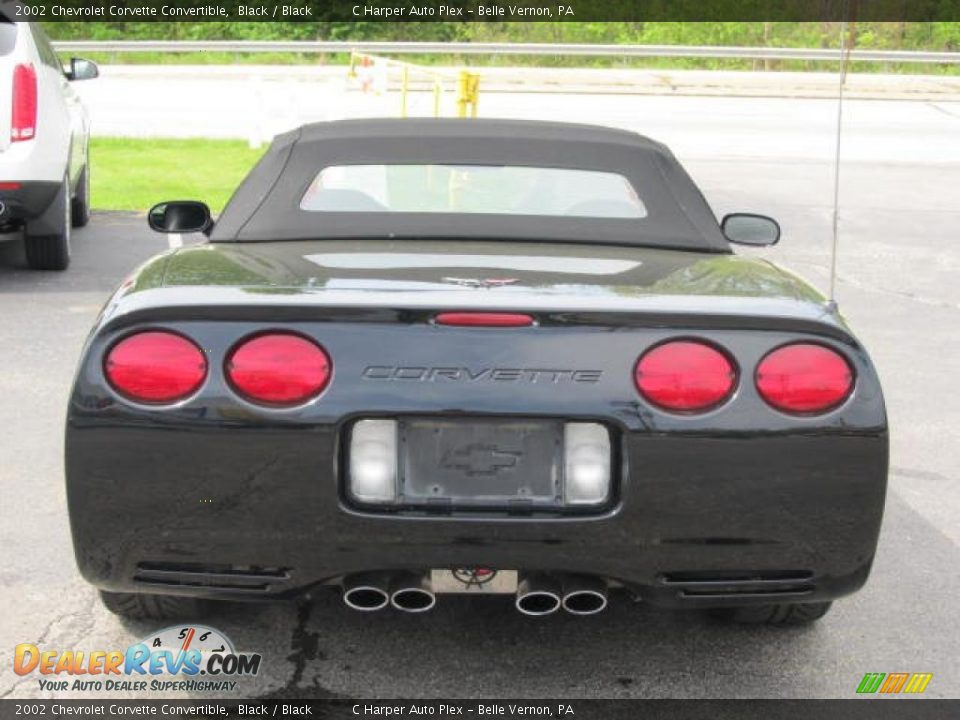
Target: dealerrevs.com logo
188,658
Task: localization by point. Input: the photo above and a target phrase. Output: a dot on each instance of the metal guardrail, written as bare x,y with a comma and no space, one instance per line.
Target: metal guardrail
462,48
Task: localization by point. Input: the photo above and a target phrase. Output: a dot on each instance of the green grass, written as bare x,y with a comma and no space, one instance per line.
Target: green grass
136,174
212,58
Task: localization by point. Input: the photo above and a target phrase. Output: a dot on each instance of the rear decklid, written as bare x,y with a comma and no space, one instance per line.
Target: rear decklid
688,288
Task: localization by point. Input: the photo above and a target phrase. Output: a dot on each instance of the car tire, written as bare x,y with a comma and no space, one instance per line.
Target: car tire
80,203
145,606
779,614
51,250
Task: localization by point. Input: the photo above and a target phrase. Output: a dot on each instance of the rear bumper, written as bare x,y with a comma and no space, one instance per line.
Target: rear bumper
260,513
30,200
217,497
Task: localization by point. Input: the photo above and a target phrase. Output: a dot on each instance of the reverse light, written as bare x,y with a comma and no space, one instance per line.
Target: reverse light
804,378
23,118
373,461
685,376
279,369
586,463
155,366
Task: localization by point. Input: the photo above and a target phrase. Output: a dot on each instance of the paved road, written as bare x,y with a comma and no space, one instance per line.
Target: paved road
899,263
250,103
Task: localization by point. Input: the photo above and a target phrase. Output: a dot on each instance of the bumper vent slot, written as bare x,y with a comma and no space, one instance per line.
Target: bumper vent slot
237,578
692,585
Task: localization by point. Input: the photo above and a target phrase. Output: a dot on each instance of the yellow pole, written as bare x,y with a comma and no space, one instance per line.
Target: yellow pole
463,93
352,72
404,84
436,97
474,93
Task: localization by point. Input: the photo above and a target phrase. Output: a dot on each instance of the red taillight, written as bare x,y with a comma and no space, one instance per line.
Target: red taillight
23,119
10,186
483,319
278,369
804,378
685,376
155,367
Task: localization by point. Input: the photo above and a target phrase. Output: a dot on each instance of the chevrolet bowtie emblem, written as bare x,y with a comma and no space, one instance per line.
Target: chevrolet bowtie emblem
480,459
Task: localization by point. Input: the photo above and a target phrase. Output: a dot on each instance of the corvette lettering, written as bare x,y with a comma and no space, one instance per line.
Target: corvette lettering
462,374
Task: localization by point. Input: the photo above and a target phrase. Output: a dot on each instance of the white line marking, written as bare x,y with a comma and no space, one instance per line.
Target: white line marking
175,240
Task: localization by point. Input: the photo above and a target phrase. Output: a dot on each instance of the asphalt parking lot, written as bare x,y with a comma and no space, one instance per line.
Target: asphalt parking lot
899,264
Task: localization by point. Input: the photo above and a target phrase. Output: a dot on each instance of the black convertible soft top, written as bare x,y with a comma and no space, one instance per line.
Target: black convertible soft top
266,205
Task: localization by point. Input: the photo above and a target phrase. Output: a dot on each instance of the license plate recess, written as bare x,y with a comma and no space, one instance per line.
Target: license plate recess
500,463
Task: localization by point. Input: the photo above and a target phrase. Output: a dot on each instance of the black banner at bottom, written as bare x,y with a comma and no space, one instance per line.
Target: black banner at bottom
854,709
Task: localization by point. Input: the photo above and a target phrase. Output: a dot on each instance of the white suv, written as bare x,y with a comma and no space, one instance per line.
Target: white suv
44,158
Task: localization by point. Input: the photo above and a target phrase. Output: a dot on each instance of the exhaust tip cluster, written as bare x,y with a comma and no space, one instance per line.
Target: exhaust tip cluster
537,595
579,595
375,591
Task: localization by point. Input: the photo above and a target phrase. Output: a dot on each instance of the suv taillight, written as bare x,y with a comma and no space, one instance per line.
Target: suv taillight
23,118
156,367
804,379
685,376
278,369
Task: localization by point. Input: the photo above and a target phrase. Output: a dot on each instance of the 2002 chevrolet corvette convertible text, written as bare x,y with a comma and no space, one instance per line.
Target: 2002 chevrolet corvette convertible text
420,357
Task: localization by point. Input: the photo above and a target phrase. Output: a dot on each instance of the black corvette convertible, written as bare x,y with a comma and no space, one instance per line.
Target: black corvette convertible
420,357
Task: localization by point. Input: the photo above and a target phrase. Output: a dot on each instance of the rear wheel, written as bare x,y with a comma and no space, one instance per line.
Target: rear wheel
779,614
80,204
48,248
144,606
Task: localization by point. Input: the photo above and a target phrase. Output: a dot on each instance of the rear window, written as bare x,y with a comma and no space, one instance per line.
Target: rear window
473,189
8,37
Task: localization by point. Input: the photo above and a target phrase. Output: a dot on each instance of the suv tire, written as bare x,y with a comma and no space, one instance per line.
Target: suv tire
80,204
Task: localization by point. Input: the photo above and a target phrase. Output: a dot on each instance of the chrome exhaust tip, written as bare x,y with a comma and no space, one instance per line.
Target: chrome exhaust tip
584,595
366,592
412,593
538,595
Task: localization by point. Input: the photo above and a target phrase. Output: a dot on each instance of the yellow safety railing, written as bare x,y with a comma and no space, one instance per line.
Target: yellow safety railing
465,83
468,93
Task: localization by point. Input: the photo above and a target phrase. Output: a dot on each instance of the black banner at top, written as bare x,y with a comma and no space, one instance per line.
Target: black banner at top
480,10
494,709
